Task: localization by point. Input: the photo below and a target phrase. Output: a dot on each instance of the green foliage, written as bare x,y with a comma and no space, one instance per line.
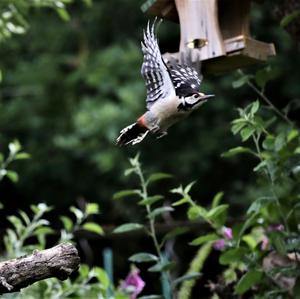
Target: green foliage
154,207
15,153
91,282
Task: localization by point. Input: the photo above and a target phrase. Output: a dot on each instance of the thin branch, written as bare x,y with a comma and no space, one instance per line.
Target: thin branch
59,261
269,103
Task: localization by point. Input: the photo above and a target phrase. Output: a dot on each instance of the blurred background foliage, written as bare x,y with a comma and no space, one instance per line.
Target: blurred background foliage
69,86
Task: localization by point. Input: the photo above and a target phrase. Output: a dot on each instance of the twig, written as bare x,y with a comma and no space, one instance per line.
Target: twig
269,103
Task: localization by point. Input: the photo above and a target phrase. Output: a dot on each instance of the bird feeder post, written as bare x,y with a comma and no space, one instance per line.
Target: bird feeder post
216,30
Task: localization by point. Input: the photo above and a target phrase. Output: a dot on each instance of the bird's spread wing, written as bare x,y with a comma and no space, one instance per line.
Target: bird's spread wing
185,79
154,71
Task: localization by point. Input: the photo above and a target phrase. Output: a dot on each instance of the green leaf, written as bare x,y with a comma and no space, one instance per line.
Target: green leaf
195,212
93,227
250,220
159,211
280,142
92,208
158,176
260,166
102,277
247,132
240,82
268,143
279,245
67,222
162,266
217,198
150,200
12,175
237,150
289,18
229,276
254,108
125,193
127,228
1,76
188,188
180,202
189,276
64,15
259,203
215,212
203,239
247,281
232,256
178,190
143,257
22,156
236,127
292,135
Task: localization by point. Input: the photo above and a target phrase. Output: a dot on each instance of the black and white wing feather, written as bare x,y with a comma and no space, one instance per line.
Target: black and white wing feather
154,71
185,79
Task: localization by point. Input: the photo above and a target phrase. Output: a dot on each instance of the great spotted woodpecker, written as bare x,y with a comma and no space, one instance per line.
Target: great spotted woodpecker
172,93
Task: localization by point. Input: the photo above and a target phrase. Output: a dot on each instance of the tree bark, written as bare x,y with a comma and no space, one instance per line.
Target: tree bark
59,261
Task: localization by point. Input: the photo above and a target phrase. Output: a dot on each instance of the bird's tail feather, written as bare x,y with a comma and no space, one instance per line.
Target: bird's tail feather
132,134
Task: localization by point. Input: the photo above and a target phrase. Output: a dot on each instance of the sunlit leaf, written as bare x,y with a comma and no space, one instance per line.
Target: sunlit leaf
159,211
203,239
12,175
195,212
124,228
158,176
92,208
125,193
236,151
93,227
143,257
180,202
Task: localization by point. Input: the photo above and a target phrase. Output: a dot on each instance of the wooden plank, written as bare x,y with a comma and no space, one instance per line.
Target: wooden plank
199,22
240,52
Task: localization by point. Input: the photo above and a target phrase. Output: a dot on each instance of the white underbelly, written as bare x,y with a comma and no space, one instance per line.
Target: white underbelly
167,112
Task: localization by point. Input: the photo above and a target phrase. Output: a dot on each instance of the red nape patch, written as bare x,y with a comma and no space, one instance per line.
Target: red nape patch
141,122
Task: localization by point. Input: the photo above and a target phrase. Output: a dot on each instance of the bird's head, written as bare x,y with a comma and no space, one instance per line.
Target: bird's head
196,99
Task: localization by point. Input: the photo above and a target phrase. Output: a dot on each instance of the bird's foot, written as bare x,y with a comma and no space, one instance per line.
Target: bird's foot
162,134
155,129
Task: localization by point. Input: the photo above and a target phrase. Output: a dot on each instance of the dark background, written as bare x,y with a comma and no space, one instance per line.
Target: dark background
68,89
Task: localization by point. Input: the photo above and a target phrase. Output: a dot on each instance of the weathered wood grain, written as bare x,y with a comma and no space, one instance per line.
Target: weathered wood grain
59,261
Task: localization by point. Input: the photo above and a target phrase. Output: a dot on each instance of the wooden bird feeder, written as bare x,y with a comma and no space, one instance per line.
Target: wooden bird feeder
216,31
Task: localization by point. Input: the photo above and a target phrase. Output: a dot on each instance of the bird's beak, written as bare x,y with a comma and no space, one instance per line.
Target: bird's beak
205,96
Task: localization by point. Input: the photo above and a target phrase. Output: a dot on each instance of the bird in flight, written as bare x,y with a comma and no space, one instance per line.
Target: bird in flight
173,92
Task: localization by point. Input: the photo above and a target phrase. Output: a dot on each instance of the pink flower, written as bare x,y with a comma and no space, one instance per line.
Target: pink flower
133,284
264,243
219,244
227,233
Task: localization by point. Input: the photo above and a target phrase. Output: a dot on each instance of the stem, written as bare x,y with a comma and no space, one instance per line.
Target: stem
148,208
269,103
269,176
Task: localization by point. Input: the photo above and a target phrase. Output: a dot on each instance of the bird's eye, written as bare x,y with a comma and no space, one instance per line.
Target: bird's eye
196,95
